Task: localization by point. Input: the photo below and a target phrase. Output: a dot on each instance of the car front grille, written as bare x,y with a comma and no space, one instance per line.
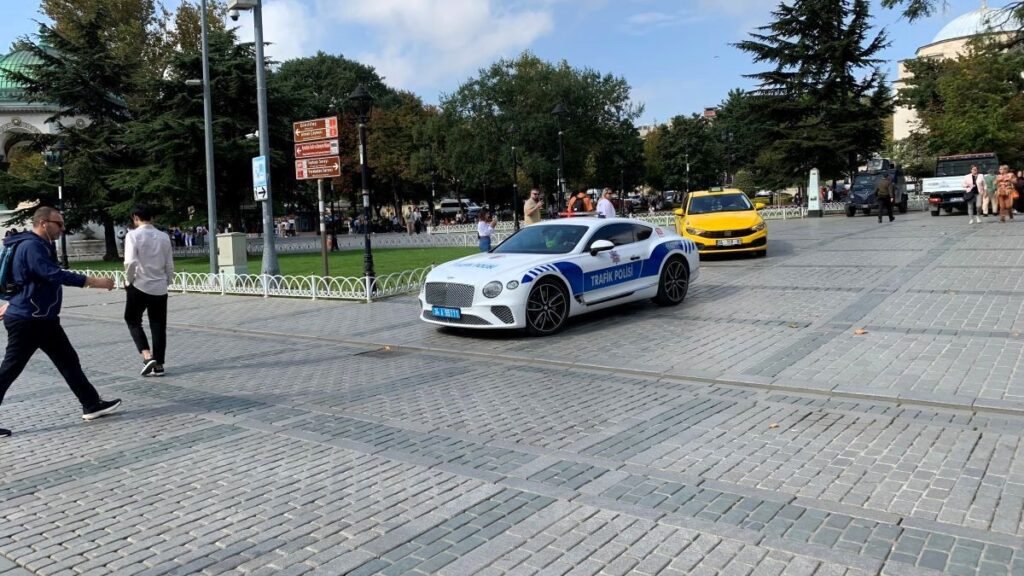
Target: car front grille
504,313
465,320
728,233
449,294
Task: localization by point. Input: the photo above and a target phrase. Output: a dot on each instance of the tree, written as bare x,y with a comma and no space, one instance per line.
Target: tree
521,93
973,103
825,98
692,156
654,161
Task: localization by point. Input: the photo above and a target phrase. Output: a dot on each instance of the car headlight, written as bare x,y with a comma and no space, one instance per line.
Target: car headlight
694,231
512,285
492,289
759,226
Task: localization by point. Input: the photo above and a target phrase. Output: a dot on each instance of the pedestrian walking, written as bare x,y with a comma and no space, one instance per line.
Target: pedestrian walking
484,229
605,208
1018,197
989,203
532,208
1005,187
149,269
883,197
975,195
32,316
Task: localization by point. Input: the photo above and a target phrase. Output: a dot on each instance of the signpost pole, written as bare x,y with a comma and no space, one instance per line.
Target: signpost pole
323,224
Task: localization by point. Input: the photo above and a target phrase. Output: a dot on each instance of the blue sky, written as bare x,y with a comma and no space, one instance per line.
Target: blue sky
675,54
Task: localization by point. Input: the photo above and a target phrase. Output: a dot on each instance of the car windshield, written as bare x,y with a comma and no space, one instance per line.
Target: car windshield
543,239
864,184
719,203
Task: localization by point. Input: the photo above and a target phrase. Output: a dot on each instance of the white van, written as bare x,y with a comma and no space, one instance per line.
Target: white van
449,207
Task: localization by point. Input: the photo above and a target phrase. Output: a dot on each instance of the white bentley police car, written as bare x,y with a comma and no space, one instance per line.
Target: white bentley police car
540,276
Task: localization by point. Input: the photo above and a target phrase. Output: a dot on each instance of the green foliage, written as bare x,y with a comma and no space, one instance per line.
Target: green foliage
601,142
691,139
823,103
744,180
973,103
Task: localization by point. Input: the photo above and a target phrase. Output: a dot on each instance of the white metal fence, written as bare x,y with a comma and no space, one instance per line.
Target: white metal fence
353,242
314,287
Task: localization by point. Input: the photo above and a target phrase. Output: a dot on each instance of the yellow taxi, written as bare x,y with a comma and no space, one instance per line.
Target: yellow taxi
722,221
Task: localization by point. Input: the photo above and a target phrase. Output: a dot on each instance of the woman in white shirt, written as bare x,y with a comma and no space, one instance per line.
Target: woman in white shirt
484,229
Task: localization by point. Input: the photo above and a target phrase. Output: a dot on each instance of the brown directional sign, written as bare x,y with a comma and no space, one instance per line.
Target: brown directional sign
319,129
316,149
313,168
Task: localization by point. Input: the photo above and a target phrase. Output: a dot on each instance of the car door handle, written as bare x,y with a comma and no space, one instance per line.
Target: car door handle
634,258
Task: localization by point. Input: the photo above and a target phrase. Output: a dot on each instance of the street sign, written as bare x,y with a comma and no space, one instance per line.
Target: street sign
319,129
317,149
313,168
260,178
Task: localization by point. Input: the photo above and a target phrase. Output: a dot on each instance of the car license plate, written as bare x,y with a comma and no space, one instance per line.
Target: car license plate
729,242
440,312
957,199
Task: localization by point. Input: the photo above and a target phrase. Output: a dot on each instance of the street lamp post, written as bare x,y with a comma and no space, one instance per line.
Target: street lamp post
362,101
56,155
559,111
211,181
270,266
433,197
515,183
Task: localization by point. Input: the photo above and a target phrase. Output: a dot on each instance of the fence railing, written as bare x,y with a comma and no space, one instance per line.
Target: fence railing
352,242
314,287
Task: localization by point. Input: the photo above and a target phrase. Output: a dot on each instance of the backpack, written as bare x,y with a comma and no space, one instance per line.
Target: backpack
8,288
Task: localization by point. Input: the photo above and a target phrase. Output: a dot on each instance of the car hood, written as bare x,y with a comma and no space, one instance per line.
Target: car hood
487,266
723,220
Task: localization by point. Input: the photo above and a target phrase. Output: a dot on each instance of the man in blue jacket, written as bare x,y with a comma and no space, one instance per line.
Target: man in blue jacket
32,318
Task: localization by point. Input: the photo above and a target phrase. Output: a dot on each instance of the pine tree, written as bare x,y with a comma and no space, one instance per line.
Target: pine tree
825,99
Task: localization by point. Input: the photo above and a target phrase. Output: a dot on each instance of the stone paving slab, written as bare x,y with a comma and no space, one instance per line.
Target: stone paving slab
748,431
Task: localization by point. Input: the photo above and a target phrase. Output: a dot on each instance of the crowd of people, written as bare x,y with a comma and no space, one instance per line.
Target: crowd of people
996,192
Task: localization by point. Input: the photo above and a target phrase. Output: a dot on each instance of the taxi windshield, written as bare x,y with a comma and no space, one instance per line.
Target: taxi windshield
543,239
719,203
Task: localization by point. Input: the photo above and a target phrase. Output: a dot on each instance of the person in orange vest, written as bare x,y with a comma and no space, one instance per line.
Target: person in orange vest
580,203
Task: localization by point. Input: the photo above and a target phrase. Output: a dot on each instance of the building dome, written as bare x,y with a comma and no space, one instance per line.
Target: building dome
982,21
20,62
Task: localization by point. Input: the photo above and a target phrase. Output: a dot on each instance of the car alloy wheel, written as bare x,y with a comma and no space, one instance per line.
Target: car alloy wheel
547,308
675,280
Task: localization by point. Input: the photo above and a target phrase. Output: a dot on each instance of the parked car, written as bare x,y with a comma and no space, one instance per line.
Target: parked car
723,222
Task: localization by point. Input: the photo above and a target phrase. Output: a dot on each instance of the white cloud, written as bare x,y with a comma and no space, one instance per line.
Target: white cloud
289,26
418,42
645,22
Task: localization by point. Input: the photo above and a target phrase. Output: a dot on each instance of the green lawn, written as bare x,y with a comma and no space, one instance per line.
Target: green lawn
348,263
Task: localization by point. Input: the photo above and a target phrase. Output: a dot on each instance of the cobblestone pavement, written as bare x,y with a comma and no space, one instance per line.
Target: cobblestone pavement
748,431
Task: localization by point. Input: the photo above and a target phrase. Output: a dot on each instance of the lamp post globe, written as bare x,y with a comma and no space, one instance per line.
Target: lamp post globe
362,102
512,130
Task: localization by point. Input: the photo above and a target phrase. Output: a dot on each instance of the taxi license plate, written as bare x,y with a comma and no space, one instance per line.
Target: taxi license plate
730,242
440,312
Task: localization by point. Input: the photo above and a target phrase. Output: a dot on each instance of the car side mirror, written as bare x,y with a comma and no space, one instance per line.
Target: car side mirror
600,246
758,205
679,212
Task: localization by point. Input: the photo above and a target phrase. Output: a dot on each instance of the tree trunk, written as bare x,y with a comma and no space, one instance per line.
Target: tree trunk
109,240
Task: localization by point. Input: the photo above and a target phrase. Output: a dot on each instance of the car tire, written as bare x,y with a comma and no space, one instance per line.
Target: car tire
673,282
903,206
547,307
867,211
948,209
851,211
936,213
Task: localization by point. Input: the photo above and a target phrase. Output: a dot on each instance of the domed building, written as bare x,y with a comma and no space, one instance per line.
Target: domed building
950,42
16,114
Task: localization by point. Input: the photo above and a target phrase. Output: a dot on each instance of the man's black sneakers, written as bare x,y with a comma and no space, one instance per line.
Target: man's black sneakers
158,370
4,432
102,408
148,366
